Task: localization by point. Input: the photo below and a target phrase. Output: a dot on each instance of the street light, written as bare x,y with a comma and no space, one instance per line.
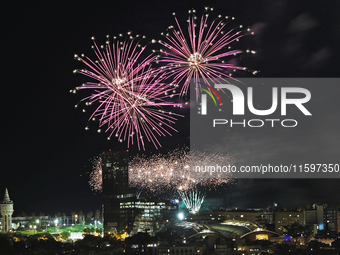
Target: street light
56,225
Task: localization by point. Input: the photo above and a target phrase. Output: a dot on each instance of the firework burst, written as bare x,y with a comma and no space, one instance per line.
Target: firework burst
175,173
201,52
193,199
128,92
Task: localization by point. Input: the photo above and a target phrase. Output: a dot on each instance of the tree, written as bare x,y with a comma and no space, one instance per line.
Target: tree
6,244
97,215
89,215
81,216
86,231
99,231
65,235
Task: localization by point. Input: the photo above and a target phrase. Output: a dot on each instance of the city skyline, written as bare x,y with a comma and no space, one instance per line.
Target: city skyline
46,149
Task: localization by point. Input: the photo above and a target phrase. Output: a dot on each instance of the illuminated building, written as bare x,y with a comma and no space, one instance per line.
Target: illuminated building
6,210
310,217
189,249
251,250
116,190
323,219
259,234
141,243
331,219
319,217
151,210
257,217
283,219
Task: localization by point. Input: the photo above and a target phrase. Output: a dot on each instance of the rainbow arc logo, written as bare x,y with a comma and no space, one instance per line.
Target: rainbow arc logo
204,97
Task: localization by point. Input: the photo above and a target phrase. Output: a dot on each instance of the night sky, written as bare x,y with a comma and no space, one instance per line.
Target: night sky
45,148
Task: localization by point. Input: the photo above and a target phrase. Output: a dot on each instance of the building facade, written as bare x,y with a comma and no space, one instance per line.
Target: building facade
116,190
6,209
284,219
323,220
151,210
256,217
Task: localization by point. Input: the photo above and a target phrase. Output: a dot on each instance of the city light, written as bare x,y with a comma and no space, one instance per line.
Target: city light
180,216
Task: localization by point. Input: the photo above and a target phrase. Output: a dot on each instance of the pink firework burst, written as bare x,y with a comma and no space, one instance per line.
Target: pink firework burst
129,94
201,52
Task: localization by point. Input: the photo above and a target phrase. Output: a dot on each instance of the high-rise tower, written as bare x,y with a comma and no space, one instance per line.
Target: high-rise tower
115,174
6,209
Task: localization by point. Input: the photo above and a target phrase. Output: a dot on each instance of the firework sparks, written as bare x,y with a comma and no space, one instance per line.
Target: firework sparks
200,53
176,171
193,199
96,175
129,93
173,173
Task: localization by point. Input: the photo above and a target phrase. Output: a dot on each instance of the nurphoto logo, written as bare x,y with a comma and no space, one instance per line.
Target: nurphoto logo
238,102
